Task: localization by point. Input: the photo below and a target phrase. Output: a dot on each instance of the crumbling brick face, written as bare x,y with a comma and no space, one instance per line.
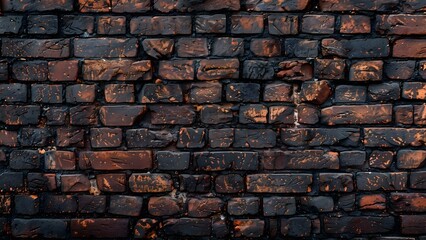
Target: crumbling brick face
213,119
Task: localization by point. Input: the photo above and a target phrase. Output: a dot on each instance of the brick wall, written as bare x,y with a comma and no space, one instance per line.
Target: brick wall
213,119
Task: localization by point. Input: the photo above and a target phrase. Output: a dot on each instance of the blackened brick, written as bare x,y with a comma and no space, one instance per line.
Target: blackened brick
105,137
24,159
100,228
125,205
168,160
408,202
44,5
39,228
355,24
77,24
158,47
107,160
80,93
119,93
205,92
111,25
121,115
399,69
246,24
230,183
304,48
59,160
164,206
336,182
401,24
11,181
356,48
111,182
366,71
306,159
36,48
70,136
216,114
162,114
161,25
350,94
242,92
158,93
30,70
204,207
258,70
318,24
381,159
371,181
243,206
320,136
332,69
221,138
31,137
142,137
279,183
417,180
357,5
265,47
250,228
210,23
150,182
105,47
83,115
59,204
278,92
276,206
91,204
254,138
195,183
191,138
94,5
359,224
283,24
296,227
19,115
228,47
13,92
27,204
187,226
43,93
130,6
42,24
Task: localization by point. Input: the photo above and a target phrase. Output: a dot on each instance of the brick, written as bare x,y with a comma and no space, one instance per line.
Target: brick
83,115
30,70
332,69
70,136
366,71
371,181
277,206
316,92
372,202
242,92
250,228
37,137
116,160
224,160
11,181
221,138
401,24
409,159
111,25
43,93
204,207
278,92
350,94
215,114
318,24
146,227
318,203
176,70
306,159
13,92
112,182
414,90
283,24
358,224
357,5
105,47
155,93
187,226
24,159
216,69
80,93
91,204
183,6
417,180
384,92
412,224
121,70
105,137
408,202
295,70
168,160
78,25
119,93
39,228
246,24
258,70
150,183
228,47
276,5
356,48
254,138
205,92
355,24
230,183
59,204
143,138
38,182
385,137
253,113
279,183
265,47
303,48
10,24
19,115
5,204
409,48
63,70
43,5
243,206
296,227
158,48
161,25
130,6
336,182
125,205
281,114
164,206
353,159
59,160
357,114
27,204
320,136
195,183
346,202
422,69
4,72
42,24
191,138
399,69
99,228
381,159
121,115
215,23
75,183
162,114
192,47
36,48
414,6
94,6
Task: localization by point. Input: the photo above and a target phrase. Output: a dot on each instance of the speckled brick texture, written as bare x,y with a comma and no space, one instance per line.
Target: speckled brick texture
213,119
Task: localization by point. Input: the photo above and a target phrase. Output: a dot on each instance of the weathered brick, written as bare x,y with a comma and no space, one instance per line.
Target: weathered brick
409,48
43,93
385,137
74,183
150,183
276,206
192,47
253,113
254,138
218,161
42,24
250,228
205,92
303,48
34,137
24,159
83,115
279,183
215,114
318,24
195,183
187,226
417,180
78,25
332,69
39,228
276,5
243,206
91,204
384,92
381,159
162,114
221,138
216,69
142,138
94,6
316,92
113,182
296,227
121,115
43,5
352,159
59,160
371,181
59,204
367,114
130,6
350,94
246,24
105,47
355,24
372,202
105,137
401,24
413,224
399,69
161,25
295,70
168,160
121,70
408,202
156,93
19,115
158,47
99,228
408,159
38,182
414,90
27,204
176,70
229,183
35,48
320,137
116,160
265,47
336,182
125,205
204,207
242,92
366,71
356,48
358,224
318,203
70,136
164,206
281,114
119,93
13,92
215,23
191,138
357,5
283,24
306,159
404,114
10,24
63,70
111,25
278,92
80,93
30,70
146,228
228,47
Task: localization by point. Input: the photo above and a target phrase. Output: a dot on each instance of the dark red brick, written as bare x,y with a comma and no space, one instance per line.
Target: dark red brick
94,5
250,228
306,114
111,25
63,70
177,70
59,160
253,113
100,228
210,23
146,228
409,48
112,182
372,202
413,224
130,6
276,5
121,70
228,47
164,206
121,115
316,92
295,70
39,228
230,183
408,202
278,92
158,47
119,93
355,24
204,207
105,137
216,69
401,24
75,183
281,114
318,24
283,24
367,114
150,183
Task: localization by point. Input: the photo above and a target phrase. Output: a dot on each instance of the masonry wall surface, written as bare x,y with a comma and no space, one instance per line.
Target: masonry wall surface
213,119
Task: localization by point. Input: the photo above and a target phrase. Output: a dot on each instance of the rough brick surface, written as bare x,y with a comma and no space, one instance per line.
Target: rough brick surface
213,119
